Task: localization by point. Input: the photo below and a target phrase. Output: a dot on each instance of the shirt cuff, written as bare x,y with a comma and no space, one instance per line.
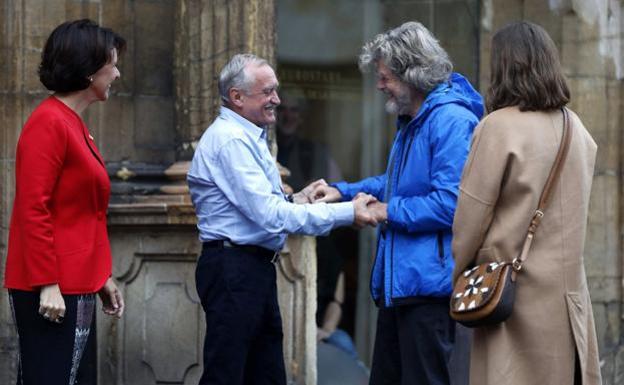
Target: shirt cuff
343,213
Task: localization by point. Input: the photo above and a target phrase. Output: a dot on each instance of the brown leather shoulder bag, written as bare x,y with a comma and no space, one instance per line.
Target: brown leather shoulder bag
484,294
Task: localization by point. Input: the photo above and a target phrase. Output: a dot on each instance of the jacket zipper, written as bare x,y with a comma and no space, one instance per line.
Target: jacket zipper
404,153
391,267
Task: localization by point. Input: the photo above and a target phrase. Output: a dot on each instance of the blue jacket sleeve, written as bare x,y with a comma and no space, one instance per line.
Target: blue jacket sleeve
450,142
374,186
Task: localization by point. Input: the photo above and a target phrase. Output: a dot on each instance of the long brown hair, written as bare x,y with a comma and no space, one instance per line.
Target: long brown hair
525,70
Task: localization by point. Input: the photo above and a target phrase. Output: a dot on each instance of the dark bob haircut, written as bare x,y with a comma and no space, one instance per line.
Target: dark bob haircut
74,51
525,70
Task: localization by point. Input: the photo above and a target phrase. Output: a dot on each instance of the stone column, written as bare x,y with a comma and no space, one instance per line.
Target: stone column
208,33
12,100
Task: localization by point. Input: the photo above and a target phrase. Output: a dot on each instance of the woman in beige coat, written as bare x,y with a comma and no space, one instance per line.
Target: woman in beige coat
550,337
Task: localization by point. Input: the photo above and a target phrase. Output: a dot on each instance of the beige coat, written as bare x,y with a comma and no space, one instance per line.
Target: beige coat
512,153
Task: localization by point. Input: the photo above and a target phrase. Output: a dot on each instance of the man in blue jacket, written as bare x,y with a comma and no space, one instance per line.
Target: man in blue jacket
411,278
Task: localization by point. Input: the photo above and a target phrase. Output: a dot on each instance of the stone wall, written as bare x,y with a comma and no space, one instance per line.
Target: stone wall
589,35
158,109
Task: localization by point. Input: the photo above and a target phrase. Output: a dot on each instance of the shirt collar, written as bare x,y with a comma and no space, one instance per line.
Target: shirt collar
250,128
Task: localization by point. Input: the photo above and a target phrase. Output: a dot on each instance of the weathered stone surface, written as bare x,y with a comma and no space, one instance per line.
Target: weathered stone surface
115,135
462,47
8,341
583,58
619,367
120,15
154,261
575,29
588,101
602,239
604,289
504,12
608,370
153,126
398,12
296,286
153,47
542,13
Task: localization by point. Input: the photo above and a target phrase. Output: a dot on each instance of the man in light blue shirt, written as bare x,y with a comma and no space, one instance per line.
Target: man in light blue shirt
243,220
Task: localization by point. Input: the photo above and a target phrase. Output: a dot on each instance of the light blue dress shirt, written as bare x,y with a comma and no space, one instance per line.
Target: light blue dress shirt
236,190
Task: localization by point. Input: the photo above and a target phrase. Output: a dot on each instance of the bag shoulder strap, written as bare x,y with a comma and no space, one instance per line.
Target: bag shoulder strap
553,177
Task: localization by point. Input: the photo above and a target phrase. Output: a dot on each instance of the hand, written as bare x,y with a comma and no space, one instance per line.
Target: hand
51,303
322,334
305,195
112,300
287,189
379,211
363,216
325,193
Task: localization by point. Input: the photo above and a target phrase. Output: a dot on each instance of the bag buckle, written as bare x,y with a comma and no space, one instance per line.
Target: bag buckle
516,264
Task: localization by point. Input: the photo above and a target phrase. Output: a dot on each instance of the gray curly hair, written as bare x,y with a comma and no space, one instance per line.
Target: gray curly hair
412,53
234,75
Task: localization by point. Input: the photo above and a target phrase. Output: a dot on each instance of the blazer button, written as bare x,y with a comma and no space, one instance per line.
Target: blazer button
100,215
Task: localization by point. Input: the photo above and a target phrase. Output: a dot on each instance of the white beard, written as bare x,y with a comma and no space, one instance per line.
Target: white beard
392,107
401,105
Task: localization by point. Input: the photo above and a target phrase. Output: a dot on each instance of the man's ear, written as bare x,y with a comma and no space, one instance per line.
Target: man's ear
236,97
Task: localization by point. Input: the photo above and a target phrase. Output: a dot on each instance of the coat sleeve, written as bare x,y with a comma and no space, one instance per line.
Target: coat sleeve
434,211
374,186
479,191
39,161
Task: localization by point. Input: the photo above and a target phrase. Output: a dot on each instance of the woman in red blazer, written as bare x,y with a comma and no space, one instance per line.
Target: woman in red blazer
59,254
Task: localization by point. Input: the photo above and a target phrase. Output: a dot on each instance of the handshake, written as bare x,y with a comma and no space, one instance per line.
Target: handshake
368,210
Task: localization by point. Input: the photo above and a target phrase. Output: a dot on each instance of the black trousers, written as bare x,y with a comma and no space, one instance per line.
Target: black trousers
51,353
413,345
244,335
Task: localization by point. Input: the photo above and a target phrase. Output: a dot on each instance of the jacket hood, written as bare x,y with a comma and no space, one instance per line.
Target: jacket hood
456,90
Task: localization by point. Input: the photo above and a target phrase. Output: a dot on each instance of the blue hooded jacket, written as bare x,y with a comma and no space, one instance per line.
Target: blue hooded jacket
421,187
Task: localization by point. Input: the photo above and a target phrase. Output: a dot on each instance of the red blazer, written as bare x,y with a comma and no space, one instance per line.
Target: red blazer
58,226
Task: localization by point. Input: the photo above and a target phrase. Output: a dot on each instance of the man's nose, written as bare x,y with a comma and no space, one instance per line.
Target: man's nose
275,99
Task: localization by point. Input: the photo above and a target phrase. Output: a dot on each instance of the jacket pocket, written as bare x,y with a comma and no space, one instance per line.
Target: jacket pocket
441,248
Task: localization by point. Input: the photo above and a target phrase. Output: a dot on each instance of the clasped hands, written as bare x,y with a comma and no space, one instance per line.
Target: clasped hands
368,210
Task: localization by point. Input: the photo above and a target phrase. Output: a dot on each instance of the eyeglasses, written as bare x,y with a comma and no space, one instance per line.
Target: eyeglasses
267,92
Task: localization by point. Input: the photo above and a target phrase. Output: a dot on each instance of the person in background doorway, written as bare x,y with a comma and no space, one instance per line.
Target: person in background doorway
309,161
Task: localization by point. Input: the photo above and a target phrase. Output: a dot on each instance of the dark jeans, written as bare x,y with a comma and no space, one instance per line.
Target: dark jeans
51,353
243,342
413,345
